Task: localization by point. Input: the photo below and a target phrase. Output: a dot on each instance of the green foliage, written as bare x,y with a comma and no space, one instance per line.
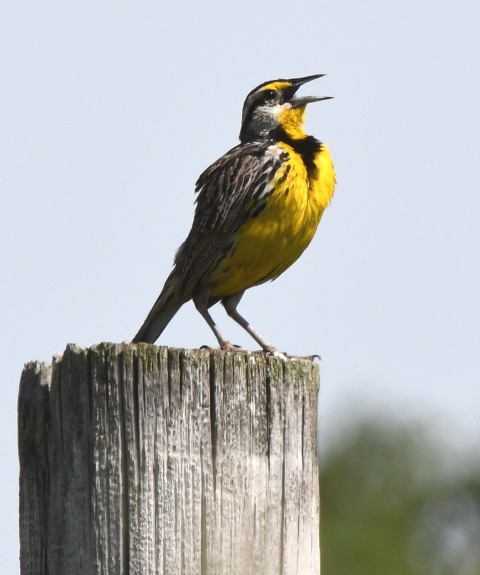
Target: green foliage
387,507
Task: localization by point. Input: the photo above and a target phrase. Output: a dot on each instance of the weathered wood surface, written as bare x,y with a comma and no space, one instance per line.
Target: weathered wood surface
137,459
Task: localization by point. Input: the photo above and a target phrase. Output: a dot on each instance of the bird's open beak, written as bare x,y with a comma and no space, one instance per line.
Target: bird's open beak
289,94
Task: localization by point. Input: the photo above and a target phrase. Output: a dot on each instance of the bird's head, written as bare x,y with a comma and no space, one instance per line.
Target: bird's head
273,107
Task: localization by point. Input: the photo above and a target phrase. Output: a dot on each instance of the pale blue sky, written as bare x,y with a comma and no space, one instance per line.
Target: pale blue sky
110,111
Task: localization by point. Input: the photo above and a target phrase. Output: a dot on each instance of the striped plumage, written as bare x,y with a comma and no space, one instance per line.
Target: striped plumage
258,208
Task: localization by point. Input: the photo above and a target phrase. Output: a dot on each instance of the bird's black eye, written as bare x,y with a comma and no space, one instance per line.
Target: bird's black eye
269,95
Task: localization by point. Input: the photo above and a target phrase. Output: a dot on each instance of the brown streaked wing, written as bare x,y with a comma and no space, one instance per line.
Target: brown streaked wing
229,193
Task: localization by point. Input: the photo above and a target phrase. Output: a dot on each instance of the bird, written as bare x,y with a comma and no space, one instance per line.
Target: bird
257,209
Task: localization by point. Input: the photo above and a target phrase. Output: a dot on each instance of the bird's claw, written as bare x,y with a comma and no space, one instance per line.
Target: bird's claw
283,355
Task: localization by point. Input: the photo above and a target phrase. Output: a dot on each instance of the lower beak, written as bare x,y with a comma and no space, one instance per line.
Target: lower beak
303,101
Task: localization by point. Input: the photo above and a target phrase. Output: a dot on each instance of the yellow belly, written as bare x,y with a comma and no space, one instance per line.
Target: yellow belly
270,243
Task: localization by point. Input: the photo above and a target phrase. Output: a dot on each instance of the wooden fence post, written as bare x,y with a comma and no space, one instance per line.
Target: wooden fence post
142,460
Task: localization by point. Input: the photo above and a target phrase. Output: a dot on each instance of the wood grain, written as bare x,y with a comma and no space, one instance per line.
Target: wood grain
137,459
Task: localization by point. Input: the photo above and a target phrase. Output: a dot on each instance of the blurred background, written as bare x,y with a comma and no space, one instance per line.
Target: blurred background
108,114
393,502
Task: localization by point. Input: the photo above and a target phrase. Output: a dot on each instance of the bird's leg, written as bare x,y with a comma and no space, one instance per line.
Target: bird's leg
230,304
200,302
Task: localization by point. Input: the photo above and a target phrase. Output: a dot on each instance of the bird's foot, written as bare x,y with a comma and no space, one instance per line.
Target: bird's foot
270,350
273,351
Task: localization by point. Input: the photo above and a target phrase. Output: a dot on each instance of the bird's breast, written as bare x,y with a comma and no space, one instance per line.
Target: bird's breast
269,243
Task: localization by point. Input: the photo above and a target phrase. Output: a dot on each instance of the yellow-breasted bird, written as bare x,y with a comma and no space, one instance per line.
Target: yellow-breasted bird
257,209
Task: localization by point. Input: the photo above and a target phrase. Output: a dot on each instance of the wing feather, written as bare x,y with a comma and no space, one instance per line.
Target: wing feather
230,191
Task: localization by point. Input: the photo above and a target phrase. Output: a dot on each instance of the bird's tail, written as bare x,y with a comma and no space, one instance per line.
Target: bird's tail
166,306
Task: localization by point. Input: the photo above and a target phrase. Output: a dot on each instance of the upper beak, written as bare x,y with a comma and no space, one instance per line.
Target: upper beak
304,100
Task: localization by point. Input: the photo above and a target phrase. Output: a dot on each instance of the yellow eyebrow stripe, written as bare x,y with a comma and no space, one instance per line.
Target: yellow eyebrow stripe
277,86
